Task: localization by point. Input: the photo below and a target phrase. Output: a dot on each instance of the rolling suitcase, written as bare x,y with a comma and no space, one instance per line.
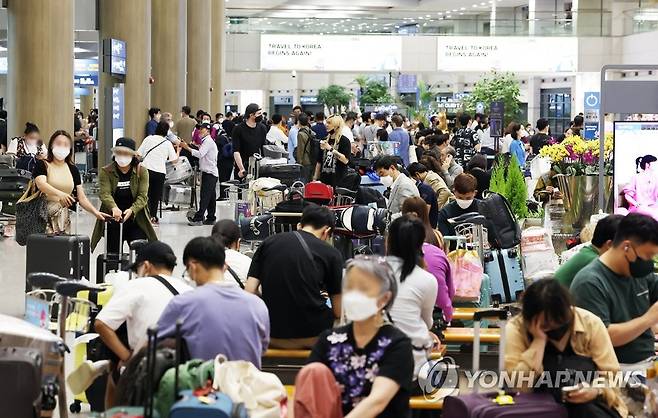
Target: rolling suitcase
496,404
504,270
179,172
64,255
107,262
318,192
20,386
273,151
13,183
286,173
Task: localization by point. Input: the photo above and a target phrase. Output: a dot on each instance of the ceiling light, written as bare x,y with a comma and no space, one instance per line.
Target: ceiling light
462,8
475,5
75,50
454,10
483,4
427,15
460,13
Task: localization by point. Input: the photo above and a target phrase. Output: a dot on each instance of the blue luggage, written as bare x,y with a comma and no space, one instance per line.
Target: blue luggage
215,405
504,270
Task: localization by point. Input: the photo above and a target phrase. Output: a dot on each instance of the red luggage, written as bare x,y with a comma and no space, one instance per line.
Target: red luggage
318,192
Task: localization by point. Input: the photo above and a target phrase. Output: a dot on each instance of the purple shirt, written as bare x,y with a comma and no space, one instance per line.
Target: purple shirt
437,264
219,318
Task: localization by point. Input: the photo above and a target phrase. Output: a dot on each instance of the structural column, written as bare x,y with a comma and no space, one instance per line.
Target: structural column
218,63
168,48
87,102
199,29
40,57
129,21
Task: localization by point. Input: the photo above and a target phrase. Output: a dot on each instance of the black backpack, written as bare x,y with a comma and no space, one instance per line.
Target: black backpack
224,146
312,146
506,230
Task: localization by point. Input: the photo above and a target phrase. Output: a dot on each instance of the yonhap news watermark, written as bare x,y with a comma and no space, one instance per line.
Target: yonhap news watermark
440,378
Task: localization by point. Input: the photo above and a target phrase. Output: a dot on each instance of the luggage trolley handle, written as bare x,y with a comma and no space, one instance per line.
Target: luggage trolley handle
107,224
498,314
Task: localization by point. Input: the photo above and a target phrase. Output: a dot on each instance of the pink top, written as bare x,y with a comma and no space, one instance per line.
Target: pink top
196,137
437,264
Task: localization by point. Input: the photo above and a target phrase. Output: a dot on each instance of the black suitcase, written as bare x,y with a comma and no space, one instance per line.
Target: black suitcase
20,382
286,173
13,183
64,255
107,262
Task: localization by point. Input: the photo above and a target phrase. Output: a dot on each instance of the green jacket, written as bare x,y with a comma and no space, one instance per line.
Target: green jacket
304,148
139,186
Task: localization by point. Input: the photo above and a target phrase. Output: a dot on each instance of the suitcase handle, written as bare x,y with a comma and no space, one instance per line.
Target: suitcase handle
120,237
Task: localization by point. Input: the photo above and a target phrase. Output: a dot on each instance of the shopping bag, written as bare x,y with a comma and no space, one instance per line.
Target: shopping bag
467,273
31,214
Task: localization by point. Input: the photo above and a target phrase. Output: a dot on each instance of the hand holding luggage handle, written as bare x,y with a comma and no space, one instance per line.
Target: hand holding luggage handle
501,315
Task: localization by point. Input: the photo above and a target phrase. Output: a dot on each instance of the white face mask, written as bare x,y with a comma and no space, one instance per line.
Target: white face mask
464,204
386,181
61,152
171,123
123,160
358,306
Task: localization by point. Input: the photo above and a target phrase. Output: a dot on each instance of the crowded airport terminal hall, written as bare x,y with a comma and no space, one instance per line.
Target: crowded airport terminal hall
328,209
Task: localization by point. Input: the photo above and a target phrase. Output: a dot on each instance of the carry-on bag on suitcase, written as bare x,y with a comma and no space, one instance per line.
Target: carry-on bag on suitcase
108,262
499,404
318,192
286,173
504,270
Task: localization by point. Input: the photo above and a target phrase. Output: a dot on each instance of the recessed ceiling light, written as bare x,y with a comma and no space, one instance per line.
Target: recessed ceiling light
483,4
427,15
454,10
475,5
460,13
462,8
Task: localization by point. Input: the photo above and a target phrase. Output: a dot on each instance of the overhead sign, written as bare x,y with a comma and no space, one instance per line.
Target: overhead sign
308,100
388,108
330,53
282,100
502,53
85,66
407,83
592,106
85,80
114,57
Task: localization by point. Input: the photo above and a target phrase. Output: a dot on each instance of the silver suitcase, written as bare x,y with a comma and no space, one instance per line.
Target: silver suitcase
179,195
179,172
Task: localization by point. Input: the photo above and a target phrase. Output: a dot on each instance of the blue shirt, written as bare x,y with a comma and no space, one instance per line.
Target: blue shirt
401,136
219,318
292,144
150,127
517,148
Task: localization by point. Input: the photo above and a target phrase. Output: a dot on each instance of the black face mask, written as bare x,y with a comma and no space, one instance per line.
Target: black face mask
640,267
331,132
558,333
259,119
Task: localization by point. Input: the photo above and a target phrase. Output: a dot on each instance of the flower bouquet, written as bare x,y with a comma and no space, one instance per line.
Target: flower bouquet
576,157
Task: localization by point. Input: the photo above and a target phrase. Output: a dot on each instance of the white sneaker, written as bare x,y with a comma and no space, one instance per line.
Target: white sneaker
82,377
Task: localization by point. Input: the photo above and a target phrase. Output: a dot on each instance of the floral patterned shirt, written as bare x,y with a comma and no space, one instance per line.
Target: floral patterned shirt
388,354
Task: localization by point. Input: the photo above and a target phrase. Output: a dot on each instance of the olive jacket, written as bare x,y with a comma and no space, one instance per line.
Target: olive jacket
139,186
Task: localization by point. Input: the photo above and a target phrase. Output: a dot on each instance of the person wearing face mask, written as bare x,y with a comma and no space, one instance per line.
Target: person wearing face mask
28,148
641,193
196,135
362,369
124,185
139,303
218,317
402,187
293,269
248,139
621,289
59,179
553,338
207,155
334,155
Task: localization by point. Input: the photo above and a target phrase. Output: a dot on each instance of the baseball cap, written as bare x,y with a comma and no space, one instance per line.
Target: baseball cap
125,144
251,109
156,252
205,125
380,116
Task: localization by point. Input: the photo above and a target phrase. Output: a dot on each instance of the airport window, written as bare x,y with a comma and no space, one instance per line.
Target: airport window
556,107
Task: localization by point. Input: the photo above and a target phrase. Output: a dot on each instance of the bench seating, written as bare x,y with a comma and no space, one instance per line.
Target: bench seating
304,354
415,402
465,335
464,314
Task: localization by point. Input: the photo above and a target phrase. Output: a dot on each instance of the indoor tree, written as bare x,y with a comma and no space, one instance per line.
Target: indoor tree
496,87
334,97
374,92
507,179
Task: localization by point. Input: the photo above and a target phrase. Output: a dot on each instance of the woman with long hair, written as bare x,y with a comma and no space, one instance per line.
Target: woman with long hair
335,153
641,193
434,257
59,179
417,288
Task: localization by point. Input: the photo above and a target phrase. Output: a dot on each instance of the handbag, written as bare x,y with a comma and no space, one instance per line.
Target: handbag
467,273
31,214
262,393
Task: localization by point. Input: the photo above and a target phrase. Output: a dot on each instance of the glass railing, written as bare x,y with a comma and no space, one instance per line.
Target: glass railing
640,20
584,23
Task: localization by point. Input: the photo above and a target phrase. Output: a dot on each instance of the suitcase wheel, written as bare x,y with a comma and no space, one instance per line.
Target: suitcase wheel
512,253
75,407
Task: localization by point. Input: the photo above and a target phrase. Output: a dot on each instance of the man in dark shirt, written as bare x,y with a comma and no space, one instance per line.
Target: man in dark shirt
293,269
154,119
248,139
228,124
541,138
620,287
319,127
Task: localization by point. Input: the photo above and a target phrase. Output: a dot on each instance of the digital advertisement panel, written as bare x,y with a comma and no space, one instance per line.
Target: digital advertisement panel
477,53
636,167
330,53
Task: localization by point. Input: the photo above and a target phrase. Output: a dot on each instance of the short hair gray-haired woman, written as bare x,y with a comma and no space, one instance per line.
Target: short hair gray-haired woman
365,368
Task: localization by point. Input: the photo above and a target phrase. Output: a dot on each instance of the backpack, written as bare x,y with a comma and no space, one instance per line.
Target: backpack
506,230
312,148
224,145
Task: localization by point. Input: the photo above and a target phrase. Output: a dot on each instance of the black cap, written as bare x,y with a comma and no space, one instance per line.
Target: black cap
205,125
156,252
125,144
251,109
380,116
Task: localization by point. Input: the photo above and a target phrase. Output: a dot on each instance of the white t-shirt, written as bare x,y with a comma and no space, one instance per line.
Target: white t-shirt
160,150
239,262
140,303
347,133
505,143
276,136
12,148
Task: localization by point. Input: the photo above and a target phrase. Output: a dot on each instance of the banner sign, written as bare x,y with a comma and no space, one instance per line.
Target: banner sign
502,53
330,53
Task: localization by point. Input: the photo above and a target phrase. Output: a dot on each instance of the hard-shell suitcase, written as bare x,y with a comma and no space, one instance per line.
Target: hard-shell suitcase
13,183
179,172
64,255
107,262
318,192
177,194
273,151
504,270
20,383
484,405
286,173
